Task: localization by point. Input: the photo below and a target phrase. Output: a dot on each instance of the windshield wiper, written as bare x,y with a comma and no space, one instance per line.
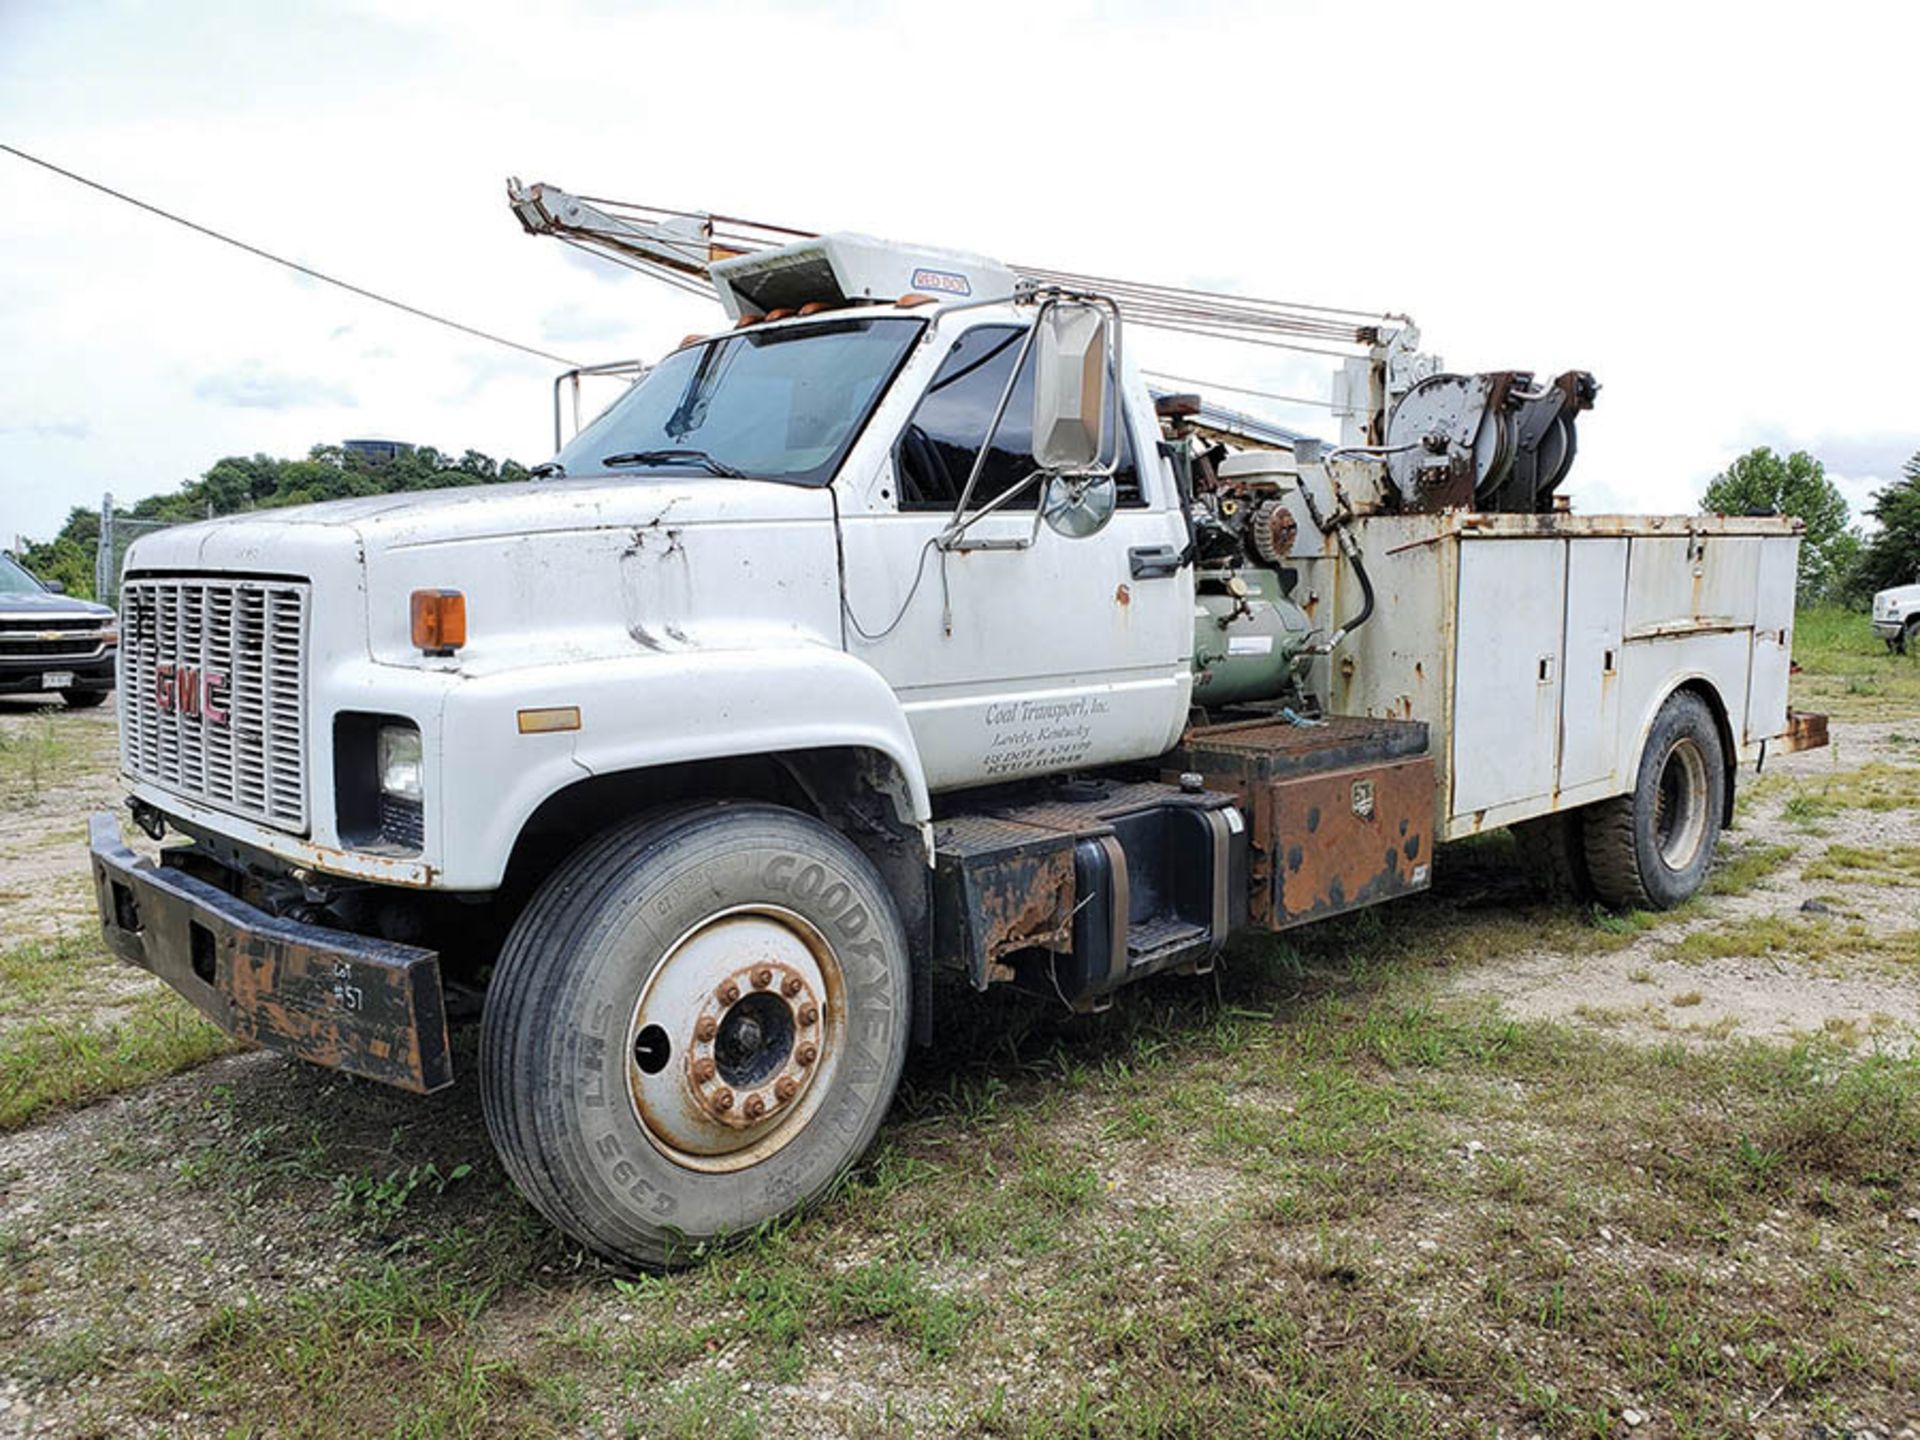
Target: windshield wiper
674,457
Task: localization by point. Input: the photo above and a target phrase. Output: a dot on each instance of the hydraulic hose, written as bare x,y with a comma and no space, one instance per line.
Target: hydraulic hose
1352,552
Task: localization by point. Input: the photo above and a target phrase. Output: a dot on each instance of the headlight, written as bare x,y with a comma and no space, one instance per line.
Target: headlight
400,768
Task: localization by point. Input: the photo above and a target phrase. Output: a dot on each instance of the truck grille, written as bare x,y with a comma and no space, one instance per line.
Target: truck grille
40,637
213,692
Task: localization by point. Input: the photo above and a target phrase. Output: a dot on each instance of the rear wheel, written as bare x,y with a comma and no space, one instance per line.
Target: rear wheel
696,1026
1650,849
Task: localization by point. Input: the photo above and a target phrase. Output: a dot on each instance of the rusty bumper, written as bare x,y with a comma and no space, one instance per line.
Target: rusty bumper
366,1006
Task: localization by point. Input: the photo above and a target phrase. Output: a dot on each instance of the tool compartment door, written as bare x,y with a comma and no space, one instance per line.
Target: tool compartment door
1507,682
1596,611
1772,638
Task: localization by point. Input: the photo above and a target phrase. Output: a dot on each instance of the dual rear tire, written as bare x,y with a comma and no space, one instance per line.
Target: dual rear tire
1650,848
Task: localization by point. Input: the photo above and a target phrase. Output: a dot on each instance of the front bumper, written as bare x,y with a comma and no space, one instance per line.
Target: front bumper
26,674
369,1007
1888,627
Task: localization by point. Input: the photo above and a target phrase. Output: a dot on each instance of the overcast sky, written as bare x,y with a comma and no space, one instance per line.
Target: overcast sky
1710,207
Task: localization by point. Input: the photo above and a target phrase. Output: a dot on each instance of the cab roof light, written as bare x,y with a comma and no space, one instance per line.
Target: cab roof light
907,302
439,621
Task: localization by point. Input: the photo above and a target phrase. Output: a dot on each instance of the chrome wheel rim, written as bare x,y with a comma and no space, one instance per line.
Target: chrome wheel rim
1680,804
735,1038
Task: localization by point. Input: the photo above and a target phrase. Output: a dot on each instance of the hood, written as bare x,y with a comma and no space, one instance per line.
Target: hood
46,603
480,512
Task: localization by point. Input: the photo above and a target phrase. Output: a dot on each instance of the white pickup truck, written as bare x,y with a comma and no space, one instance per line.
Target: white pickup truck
898,628
1896,617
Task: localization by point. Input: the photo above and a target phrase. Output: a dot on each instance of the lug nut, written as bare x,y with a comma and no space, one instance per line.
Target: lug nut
762,978
806,1055
790,986
755,1107
784,1087
723,1100
703,1069
809,1014
706,1029
729,993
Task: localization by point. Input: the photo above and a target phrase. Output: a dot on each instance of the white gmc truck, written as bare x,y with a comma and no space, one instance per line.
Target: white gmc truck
897,629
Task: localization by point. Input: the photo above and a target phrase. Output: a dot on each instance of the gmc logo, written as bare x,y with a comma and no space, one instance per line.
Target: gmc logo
189,690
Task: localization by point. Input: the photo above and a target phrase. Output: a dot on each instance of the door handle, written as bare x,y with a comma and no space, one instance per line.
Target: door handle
1153,562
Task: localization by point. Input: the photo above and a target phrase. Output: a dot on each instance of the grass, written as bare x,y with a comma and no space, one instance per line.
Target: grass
1821,943
1847,671
50,1065
1378,1217
33,754
68,1037
1740,866
1855,865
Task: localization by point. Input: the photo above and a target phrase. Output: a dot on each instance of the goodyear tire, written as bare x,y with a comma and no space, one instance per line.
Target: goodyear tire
1650,849
696,1026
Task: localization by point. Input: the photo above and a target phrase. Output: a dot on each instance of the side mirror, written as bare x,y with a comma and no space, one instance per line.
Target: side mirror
1077,506
55,587
1069,387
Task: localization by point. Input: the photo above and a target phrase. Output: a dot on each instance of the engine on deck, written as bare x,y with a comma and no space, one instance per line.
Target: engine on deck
1251,642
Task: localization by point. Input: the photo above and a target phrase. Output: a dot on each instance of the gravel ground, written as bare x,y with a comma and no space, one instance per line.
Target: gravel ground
1781,996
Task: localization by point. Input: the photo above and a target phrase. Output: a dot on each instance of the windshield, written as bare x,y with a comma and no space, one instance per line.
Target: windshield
15,581
773,405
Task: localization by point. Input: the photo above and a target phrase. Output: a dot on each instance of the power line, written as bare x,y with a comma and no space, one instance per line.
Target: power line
1240,390
306,270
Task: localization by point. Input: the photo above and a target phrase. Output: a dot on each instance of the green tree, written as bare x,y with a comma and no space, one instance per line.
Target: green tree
261,482
1763,483
1892,556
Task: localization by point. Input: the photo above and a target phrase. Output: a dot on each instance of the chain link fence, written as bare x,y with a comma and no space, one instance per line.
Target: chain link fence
117,532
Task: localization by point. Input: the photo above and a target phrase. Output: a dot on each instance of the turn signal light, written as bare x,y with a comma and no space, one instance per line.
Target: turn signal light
439,621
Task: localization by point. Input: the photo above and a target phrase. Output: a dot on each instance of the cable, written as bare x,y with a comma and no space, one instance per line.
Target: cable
919,574
1238,389
306,270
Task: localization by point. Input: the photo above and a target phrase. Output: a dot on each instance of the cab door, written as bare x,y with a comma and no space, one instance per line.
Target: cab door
1021,652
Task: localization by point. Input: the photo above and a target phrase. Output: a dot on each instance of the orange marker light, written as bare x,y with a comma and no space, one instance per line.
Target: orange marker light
439,621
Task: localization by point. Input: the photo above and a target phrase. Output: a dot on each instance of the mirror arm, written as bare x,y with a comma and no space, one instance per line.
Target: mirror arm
986,446
950,538
955,536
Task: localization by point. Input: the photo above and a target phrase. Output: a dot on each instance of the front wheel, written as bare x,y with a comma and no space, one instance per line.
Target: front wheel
1907,642
1650,849
696,1026
84,699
